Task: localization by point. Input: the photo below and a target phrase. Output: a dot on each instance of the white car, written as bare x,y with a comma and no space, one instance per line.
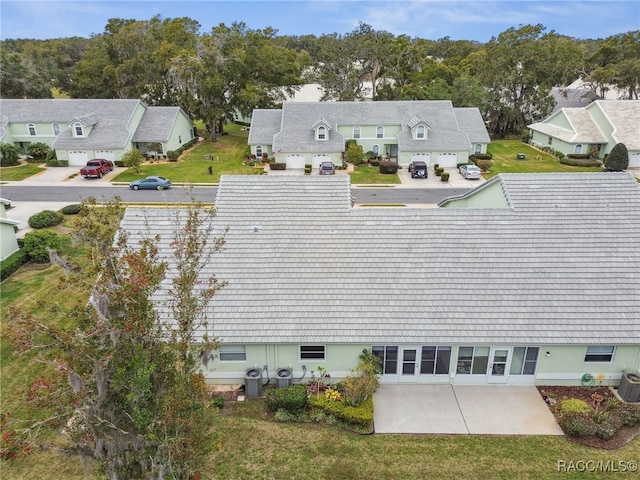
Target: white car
470,172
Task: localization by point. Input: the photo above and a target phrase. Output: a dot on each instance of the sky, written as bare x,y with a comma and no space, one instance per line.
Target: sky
478,20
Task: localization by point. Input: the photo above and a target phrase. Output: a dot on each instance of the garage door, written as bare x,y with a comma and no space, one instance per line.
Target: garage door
295,161
447,159
106,154
318,158
78,158
634,160
421,157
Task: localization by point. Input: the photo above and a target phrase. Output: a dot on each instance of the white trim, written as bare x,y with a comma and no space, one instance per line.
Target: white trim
577,376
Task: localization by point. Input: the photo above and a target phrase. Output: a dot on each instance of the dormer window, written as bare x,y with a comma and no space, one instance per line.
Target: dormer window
420,132
32,129
380,132
78,130
321,130
322,133
356,132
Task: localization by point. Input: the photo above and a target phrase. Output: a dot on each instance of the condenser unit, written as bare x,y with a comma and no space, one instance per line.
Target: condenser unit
253,383
629,389
284,377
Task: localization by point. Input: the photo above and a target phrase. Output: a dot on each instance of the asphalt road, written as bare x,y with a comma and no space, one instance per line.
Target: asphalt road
368,195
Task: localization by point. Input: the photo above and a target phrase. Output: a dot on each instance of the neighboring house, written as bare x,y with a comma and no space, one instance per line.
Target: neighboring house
533,279
79,130
405,131
597,128
8,227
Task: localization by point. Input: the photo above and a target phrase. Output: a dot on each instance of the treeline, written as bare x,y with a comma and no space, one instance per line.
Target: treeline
236,69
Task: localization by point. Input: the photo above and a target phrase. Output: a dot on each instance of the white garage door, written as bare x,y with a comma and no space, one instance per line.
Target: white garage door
78,158
447,159
318,158
421,157
106,154
634,160
295,161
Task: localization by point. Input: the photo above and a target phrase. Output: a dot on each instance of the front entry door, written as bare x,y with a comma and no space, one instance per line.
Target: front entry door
409,364
499,364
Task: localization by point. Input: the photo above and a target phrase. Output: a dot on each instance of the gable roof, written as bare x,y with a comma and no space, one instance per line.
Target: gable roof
624,116
156,124
303,266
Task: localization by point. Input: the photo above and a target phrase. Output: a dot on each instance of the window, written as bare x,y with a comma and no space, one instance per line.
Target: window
435,360
389,358
472,360
376,149
56,129
233,353
524,360
380,132
550,140
599,354
77,128
478,148
259,151
420,131
312,352
356,132
32,129
578,148
322,133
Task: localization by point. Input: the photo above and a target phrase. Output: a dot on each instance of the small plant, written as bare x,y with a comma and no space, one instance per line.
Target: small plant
318,383
578,424
333,394
484,165
439,171
38,243
217,402
575,405
44,219
72,209
283,415
444,176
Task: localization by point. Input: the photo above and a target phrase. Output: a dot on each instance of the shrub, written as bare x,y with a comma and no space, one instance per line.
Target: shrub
439,171
9,155
72,209
278,166
628,415
353,153
36,244
374,162
307,169
444,176
292,399
251,163
172,155
577,424
284,416
436,166
480,156
44,219
217,402
360,415
484,165
119,163
38,150
577,162
12,263
579,156
133,159
575,405
618,158
606,426
388,167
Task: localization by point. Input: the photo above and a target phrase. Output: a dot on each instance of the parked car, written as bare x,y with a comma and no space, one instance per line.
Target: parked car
96,167
470,172
151,183
327,168
418,170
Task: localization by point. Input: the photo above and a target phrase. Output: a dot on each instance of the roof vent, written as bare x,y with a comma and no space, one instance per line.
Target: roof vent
256,228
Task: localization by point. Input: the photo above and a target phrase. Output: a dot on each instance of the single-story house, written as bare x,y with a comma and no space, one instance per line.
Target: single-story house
304,133
81,129
596,128
8,227
530,279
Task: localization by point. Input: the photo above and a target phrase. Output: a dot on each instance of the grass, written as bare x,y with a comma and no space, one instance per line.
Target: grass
504,157
366,175
19,172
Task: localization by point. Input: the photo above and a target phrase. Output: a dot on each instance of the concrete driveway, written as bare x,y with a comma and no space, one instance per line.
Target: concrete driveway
463,409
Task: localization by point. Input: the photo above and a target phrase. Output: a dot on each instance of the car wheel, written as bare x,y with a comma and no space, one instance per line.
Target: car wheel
159,187
100,175
135,187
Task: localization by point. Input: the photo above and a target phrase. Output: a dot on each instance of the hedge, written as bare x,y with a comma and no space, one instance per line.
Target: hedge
360,415
44,219
12,263
292,399
579,156
444,176
277,166
576,162
72,209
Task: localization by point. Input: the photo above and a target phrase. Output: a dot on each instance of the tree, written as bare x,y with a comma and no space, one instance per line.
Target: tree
39,150
354,153
618,159
617,62
134,399
9,155
133,159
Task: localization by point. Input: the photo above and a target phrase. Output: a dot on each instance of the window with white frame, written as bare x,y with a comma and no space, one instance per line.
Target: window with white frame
312,352
420,132
77,129
380,132
56,128
259,151
478,148
524,360
321,133
388,356
32,129
599,353
472,360
435,360
232,353
376,149
356,132
578,148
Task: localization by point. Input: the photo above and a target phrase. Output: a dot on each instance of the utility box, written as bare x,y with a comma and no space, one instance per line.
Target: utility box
520,156
629,389
253,383
284,377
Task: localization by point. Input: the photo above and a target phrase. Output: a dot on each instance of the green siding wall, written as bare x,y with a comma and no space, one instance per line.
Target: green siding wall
491,196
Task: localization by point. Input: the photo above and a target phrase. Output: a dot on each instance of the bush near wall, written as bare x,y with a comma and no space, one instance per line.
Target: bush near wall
360,415
277,166
12,263
579,156
480,156
388,167
293,399
575,162
44,219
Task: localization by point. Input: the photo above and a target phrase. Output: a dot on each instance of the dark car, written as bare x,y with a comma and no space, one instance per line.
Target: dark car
418,170
327,168
151,183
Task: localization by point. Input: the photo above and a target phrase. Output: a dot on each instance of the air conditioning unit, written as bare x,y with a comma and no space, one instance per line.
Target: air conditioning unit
629,389
284,377
253,383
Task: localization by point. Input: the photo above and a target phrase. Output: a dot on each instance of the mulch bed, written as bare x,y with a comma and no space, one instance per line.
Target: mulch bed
621,438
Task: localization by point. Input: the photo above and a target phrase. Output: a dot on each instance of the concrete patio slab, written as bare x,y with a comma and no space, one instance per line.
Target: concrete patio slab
463,409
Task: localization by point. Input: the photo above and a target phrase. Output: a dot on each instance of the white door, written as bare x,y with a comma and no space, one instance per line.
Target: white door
421,157
295,162
318,158
106,154
499,364
447,159
409,364
78,158
634,160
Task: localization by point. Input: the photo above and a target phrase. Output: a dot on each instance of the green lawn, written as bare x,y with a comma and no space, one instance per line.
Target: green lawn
366,175
504,156
19,172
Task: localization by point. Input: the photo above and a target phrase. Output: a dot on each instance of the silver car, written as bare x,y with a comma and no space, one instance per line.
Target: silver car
470,172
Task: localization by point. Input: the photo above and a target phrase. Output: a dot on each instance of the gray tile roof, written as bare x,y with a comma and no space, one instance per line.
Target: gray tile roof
156,124
303,266
624,115
264,125
583,128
